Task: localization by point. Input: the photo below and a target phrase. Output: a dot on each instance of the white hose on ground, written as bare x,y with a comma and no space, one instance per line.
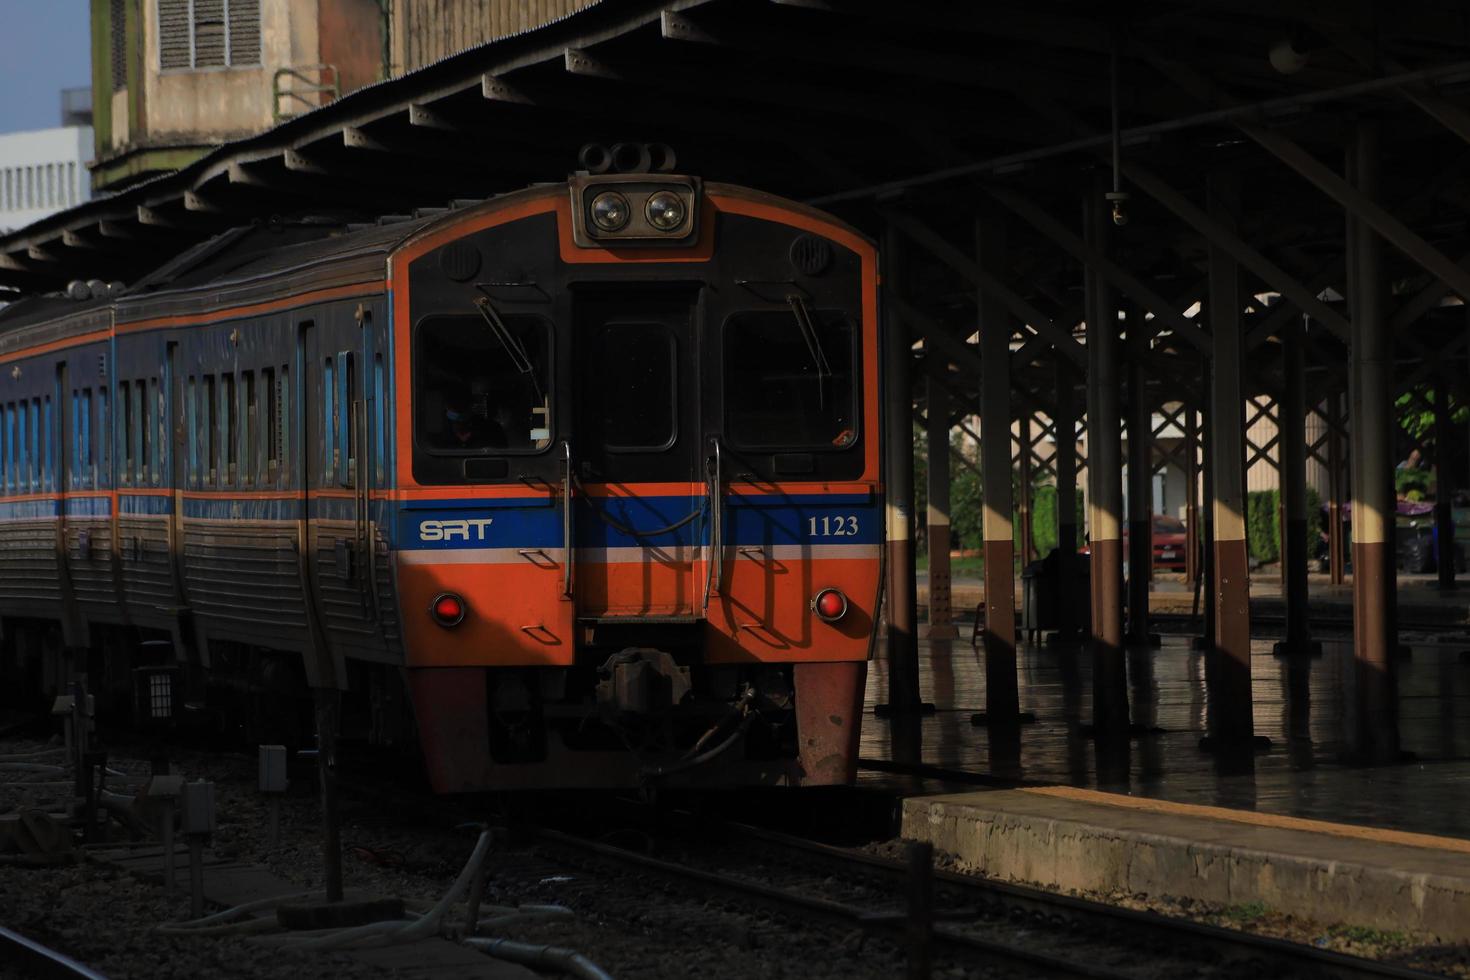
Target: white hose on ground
30,767
384,933
32,756
259,905
567,961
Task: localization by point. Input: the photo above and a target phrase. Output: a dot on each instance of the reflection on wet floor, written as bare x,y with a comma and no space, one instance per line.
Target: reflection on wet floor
1302,705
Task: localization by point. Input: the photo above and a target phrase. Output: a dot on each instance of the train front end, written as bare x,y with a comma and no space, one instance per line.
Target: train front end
638,519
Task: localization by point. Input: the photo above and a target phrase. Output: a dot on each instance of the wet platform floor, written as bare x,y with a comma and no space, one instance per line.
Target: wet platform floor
1304,705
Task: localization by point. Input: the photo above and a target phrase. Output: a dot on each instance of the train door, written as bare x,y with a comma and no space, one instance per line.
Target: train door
637,454
55,475
312,468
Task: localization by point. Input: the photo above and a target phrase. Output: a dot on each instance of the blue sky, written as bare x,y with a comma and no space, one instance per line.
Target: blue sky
45,47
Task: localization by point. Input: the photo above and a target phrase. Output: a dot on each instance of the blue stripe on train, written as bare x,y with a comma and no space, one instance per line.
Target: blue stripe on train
601,522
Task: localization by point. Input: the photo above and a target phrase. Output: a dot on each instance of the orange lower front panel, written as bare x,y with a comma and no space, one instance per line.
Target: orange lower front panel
515,614
761,611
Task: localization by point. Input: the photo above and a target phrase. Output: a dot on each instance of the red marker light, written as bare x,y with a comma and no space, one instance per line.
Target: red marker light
830,605
447,609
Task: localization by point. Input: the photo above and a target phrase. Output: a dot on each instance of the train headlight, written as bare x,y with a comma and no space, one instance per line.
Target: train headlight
610,211
665,211
447,609
830,605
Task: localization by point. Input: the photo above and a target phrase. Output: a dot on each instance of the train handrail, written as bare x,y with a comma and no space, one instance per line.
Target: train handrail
715,561
566,519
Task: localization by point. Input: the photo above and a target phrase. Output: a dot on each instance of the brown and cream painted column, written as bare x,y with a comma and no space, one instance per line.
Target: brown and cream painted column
941,616
1002,695
1105,488
1374,640
1231,723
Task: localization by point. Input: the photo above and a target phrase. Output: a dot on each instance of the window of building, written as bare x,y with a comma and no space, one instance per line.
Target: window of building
208,34
118,27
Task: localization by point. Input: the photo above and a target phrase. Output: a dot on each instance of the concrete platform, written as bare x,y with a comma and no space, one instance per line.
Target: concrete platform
1083,840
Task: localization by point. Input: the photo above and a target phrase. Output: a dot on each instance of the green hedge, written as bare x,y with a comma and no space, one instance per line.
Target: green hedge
1263,528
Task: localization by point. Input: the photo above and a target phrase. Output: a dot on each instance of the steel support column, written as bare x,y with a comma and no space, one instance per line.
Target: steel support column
1293,454
1444,486
1064,464
1025,479
1191,496
1230,692
1105,489
1002,697
1372,468
1336,552
1140,479
941,616
898,478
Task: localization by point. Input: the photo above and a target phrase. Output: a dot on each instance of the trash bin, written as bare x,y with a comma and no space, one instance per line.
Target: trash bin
1056,595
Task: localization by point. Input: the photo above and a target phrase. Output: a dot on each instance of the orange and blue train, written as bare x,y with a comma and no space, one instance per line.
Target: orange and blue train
577,486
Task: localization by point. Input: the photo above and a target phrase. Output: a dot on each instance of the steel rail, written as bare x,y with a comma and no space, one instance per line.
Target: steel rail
41,961
1297,960
838,913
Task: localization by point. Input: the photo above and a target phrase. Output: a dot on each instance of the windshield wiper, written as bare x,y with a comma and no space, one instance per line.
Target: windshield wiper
803,315
501,333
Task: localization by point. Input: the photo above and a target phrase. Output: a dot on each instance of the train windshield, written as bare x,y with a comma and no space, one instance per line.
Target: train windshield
479,388
789,380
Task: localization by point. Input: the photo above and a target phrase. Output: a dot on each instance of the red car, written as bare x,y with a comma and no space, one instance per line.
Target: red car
1170,535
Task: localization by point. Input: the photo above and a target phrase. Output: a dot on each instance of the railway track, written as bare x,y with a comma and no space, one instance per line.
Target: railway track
973,920
21,956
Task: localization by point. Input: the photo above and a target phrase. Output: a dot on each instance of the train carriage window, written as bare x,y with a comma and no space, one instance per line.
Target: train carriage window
48,442
140,426
210,422
329,419
476,390
191,427
22,457
635,386
7,444
789,380
347,434
379,428
34,442
270,437
147,466
102,428
125,398
284,422
86,456
157,437
229,410
249,430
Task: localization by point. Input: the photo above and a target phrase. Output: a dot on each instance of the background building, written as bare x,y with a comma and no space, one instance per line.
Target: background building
173,78
45,170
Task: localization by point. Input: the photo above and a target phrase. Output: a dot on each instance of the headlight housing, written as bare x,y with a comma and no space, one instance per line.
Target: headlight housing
665,211
610,211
